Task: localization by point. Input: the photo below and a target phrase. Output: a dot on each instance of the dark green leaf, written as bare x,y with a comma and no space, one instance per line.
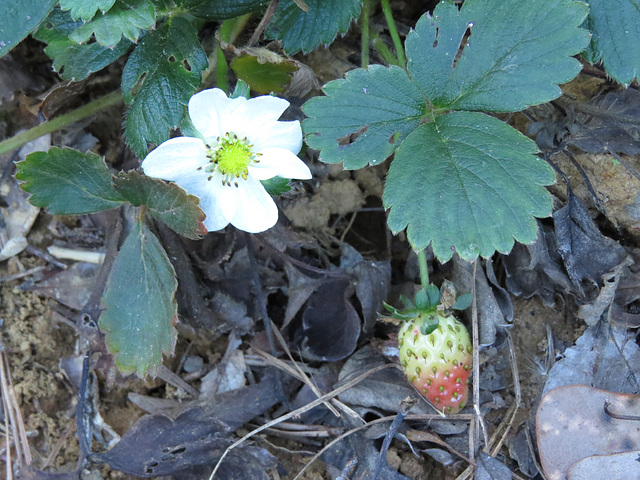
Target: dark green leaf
71,60
140,309
463,301
167,202
467,182
406,301
299,30
363,116
126,18
433,293
223,9
68,182
429,324
165,71
18,18
276,185
515,55
422,300
85,9
616,32
264,77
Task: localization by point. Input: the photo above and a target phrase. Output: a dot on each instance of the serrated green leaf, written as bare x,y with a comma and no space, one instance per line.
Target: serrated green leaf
299,30
429,325
382,104
165,69
126,18
276,185
71,60
68,182
139,304
167,202
223,9
515,55
19,18
616,30
463,301
263,77
85,9
467,182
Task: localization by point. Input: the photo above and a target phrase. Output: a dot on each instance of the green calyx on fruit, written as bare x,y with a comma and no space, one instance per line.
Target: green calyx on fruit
435,350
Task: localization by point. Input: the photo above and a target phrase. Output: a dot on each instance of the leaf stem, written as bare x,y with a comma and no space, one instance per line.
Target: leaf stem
397,43
364,52
62,121
424,268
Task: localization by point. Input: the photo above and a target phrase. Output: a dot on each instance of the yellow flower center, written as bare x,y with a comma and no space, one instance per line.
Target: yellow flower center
231,156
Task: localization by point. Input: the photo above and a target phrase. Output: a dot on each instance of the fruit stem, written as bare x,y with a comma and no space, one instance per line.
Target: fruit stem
424,268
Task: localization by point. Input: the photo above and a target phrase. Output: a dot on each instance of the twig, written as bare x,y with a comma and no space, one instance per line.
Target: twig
22,274
263,23
62,121
405,406
300,411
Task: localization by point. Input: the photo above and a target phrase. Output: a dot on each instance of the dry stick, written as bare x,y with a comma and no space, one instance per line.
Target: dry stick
263,23
390,418
300,375
15,416
300,411
5,406
303,376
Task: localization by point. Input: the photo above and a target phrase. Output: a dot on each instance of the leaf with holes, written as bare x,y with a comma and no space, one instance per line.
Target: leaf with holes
139,304
467,182
71,60
299,30
615,29
85,9
167,202
462,181
19,18
68,182
125,19
364,116
162,73
496,55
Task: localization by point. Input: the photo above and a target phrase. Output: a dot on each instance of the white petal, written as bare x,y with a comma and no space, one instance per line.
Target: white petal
277,134
265,108
175,158
278,161
219,202
209,110
256,211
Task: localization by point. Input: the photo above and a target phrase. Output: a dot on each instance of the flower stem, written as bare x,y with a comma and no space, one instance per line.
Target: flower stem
424,268
364,52
397,43
62,121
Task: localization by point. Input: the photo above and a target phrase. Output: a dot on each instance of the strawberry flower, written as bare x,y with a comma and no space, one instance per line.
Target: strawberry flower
242,143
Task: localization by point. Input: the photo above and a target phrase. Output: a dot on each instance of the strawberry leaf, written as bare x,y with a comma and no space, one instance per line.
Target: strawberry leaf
162,73
363,116
167,202
139,304
463,301
68,182
71,60
85,9
514,56
125,19
19,18
615,29
222,9
467,182
299,30
464,181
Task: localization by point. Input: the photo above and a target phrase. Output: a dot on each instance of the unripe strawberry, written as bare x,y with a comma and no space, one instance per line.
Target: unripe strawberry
438,364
